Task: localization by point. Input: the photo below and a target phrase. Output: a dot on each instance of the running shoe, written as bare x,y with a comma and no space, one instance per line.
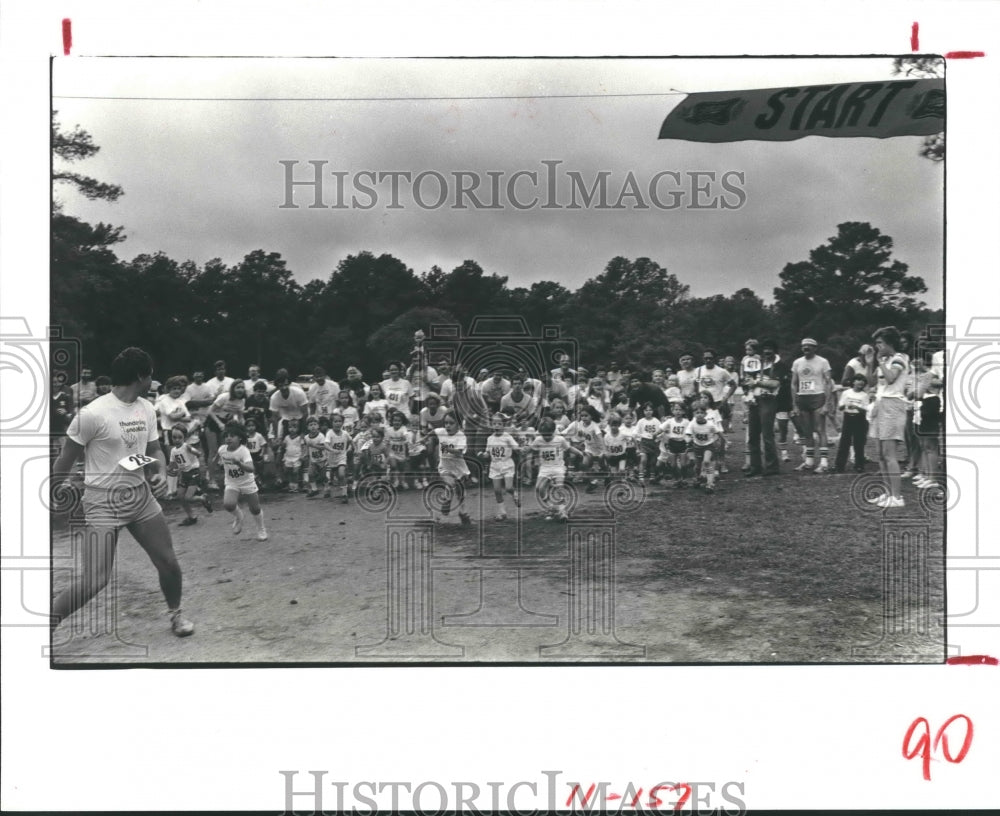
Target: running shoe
466,521
238,522
312,494
179,625
206,502
822,469
514,497
785,457
928,484
188,522
888,501
804,466
262,535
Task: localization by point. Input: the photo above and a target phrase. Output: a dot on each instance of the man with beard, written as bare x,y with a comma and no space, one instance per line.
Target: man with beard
639,393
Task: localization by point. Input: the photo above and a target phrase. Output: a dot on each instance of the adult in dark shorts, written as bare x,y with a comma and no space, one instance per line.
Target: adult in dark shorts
811,387
114,433
762,385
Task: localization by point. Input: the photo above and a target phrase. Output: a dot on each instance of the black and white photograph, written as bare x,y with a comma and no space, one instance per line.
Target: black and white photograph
399,422
531,360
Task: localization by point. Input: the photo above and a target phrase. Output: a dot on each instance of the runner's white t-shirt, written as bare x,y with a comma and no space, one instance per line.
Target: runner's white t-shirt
110,430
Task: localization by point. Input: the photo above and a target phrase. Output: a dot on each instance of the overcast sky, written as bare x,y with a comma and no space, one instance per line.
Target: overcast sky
203,178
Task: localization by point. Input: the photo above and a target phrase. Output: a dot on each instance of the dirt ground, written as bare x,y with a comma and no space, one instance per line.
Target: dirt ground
779,570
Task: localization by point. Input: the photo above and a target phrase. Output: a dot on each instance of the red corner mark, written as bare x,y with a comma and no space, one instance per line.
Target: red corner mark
915,46
973,660
67,31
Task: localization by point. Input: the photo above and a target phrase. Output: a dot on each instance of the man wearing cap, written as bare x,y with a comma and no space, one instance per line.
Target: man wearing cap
811,387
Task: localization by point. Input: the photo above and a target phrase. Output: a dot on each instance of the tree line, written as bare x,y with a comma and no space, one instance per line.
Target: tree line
635,312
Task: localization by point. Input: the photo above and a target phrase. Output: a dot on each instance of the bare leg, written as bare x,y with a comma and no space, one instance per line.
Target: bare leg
98,554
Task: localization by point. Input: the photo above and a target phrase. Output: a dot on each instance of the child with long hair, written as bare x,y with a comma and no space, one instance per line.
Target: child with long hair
186,466
238,471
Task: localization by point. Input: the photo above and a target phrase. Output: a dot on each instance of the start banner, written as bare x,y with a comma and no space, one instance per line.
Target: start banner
912,107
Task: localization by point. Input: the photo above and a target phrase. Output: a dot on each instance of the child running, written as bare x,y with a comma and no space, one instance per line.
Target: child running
551,449
500,447
646,430
615,448
452,467
260,450
338,445
185,465
398,438
673,444
238,469
704,434
315,445
292,451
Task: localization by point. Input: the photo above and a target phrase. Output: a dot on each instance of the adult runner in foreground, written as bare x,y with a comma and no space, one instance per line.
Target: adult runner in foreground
124,473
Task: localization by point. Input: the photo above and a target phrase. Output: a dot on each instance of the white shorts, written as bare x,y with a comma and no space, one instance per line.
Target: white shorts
502,468
552,474
453,467
242,489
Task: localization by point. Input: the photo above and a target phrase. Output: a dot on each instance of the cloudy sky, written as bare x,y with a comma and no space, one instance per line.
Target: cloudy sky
197,145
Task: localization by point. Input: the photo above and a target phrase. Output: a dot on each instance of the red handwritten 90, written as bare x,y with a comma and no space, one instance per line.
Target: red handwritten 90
925,748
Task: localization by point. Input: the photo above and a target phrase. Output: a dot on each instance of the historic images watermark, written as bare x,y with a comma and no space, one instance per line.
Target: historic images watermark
316,794
317,184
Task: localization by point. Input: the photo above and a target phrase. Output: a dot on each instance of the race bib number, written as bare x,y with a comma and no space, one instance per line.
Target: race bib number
807,386
317,453
324,410
399,447
136,461
178,459
498,452
394,396
235,472
549,455
701,437
446,448
338,446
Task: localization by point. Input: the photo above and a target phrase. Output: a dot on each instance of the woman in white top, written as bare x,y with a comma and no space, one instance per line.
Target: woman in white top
888,417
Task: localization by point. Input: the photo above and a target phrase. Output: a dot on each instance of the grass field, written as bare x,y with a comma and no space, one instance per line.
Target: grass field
787,569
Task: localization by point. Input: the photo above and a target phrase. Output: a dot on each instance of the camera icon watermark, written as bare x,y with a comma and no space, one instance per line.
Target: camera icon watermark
971,365
28,364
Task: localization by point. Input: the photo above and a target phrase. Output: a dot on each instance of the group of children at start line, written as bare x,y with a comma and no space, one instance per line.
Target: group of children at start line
334,452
